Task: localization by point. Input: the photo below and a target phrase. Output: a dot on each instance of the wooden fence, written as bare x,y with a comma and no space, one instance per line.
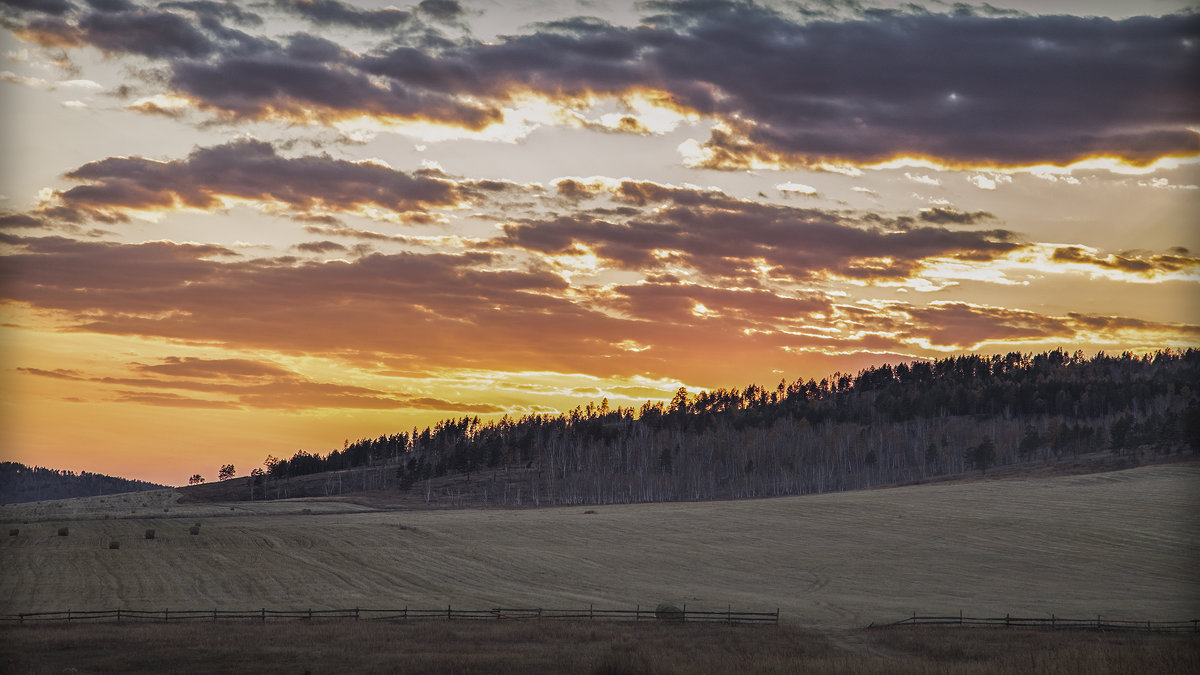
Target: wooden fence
405,614
1052,623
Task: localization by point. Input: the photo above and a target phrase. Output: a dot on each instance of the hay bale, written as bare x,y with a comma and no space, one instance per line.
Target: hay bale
64,531
668,612
149,534
114,544
195,529
12,532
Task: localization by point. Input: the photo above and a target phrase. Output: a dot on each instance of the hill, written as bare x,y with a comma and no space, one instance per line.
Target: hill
1119,544
910,423
20,483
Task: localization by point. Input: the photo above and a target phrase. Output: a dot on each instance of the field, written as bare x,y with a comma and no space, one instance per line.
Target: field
599,649
1121,544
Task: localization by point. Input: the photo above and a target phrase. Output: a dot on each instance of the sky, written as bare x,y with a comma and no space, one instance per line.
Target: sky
232,230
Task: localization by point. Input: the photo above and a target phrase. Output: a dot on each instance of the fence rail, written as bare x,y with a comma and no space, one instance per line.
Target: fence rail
1053,622
404,614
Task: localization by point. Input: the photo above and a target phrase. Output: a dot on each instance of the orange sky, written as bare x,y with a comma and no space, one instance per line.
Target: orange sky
230,232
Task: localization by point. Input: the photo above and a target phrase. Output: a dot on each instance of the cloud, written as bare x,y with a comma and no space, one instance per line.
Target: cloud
320,246
693,229
235,369
326,12
253,171
1136,263
963,325
942,216
923,180
1018,91
53,7
797,188
441,10
988,182
246,383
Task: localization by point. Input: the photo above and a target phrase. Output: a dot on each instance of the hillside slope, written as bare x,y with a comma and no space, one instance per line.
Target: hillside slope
1120,544
20,483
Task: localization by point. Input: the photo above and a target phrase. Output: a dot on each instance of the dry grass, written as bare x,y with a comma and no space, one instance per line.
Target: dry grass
600,648
1120,544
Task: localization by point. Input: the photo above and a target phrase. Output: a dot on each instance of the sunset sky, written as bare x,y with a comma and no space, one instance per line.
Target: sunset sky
238,229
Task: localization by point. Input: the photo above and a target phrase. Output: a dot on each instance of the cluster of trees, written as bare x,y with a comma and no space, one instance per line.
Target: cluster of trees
884,425
224,473
20,483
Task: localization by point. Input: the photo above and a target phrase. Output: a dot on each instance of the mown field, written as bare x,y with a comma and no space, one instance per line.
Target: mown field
526,648
1121,544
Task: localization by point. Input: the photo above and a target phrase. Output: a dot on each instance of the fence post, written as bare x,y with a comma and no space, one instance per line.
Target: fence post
264,614
448,617
729,613
68,617
1006,617
960,617
310,613
214,614
637,614
591,614
166,615
684,612
776,616
1052,620
118,615
356,614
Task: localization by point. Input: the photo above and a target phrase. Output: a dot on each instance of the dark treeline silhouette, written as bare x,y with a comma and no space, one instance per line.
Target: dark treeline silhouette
20,483
885,425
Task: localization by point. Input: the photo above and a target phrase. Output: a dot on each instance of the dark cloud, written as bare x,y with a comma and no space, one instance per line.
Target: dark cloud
339,13
441,10
965,88
968,326
57,373
1145,264
227,10
733,240
170,400
54,7
941,216
126,28
320,246
251,170
20,220
148,33
237,369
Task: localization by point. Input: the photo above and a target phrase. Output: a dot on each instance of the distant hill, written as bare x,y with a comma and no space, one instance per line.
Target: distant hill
909,423
20,483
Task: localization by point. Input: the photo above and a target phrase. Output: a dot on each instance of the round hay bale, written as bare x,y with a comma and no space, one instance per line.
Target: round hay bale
64,531
195,529
12,532
114,544
149,534
668,612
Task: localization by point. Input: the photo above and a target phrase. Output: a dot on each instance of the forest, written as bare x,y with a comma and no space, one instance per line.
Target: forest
884,425
20,483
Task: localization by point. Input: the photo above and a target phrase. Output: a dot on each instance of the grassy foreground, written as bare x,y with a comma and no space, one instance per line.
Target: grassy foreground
599,648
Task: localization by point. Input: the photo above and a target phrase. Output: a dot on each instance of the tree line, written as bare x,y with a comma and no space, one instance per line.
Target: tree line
883,425
20,483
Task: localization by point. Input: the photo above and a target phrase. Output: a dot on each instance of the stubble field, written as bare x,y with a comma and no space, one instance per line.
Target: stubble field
1122,545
